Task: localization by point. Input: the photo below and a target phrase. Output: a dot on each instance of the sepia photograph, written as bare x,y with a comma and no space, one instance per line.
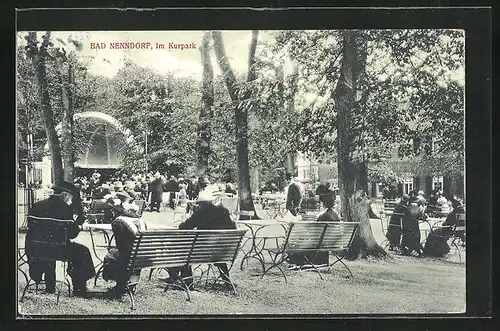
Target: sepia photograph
241,172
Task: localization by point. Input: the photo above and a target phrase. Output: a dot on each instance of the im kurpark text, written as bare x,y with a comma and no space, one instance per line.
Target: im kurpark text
142,45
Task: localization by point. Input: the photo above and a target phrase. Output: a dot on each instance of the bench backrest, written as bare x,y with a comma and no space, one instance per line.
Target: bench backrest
312,236
176,248
460,226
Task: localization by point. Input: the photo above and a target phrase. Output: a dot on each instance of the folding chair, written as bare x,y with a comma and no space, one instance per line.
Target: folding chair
141,204
458,235
97,212
49,243
399,225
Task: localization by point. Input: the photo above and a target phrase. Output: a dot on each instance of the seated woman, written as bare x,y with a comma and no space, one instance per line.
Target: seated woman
126,225
436,244
404,229
300,260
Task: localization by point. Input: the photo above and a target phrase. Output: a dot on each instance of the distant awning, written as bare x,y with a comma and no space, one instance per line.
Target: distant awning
97,166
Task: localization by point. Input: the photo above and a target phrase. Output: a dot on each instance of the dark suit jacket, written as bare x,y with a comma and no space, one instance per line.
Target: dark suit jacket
209,217
53,207
328,215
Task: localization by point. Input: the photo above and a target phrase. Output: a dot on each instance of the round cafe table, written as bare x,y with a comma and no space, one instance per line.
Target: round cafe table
258,243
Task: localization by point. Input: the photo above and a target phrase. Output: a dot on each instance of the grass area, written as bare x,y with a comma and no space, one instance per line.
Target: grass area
397,285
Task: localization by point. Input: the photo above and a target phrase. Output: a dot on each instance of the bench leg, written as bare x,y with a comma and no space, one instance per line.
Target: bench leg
24,290
339,259
99,271
184,287
130,292
277,265
314,267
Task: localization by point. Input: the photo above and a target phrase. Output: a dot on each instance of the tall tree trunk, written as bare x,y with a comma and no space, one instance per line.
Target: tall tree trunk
292,80
207,101
351,173
241,99
38,57
67,134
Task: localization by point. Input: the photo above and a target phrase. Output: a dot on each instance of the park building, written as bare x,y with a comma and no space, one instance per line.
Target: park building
102,135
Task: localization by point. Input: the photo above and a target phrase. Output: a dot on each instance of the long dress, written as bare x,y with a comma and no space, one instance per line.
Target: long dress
156,194
404,230
436,244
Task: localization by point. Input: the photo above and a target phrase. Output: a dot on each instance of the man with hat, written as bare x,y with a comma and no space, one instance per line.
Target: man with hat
172,187
206,217
156,189
60,206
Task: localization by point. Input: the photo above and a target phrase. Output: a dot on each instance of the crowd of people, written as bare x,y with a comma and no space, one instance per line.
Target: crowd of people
66,203
404,224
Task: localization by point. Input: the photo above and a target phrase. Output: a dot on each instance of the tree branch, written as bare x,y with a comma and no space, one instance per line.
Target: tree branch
222,60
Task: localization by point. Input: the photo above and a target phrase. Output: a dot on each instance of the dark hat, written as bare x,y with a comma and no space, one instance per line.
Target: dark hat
456,202
65,186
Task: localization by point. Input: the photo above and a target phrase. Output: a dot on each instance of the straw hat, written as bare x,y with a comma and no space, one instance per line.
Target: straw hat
205,196
124,196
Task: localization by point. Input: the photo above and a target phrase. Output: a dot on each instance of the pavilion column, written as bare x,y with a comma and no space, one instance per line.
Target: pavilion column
108,147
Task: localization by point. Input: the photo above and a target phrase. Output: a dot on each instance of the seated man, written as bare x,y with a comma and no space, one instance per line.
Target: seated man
80,266
206,217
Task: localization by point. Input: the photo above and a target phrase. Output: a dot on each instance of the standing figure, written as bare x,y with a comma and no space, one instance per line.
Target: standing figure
293,195
172,187
156,189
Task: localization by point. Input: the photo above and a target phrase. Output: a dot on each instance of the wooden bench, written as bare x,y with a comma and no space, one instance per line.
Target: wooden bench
181,248
314,237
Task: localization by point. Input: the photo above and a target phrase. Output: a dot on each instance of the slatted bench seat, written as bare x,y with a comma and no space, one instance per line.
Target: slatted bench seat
180,248
314,237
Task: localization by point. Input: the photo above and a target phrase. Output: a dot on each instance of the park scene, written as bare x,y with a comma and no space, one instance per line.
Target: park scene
240,172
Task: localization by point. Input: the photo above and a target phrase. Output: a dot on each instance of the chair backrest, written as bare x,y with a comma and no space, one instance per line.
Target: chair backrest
98,207
311,236
400,216
48,238
460,226
141,204
389,206
175,248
